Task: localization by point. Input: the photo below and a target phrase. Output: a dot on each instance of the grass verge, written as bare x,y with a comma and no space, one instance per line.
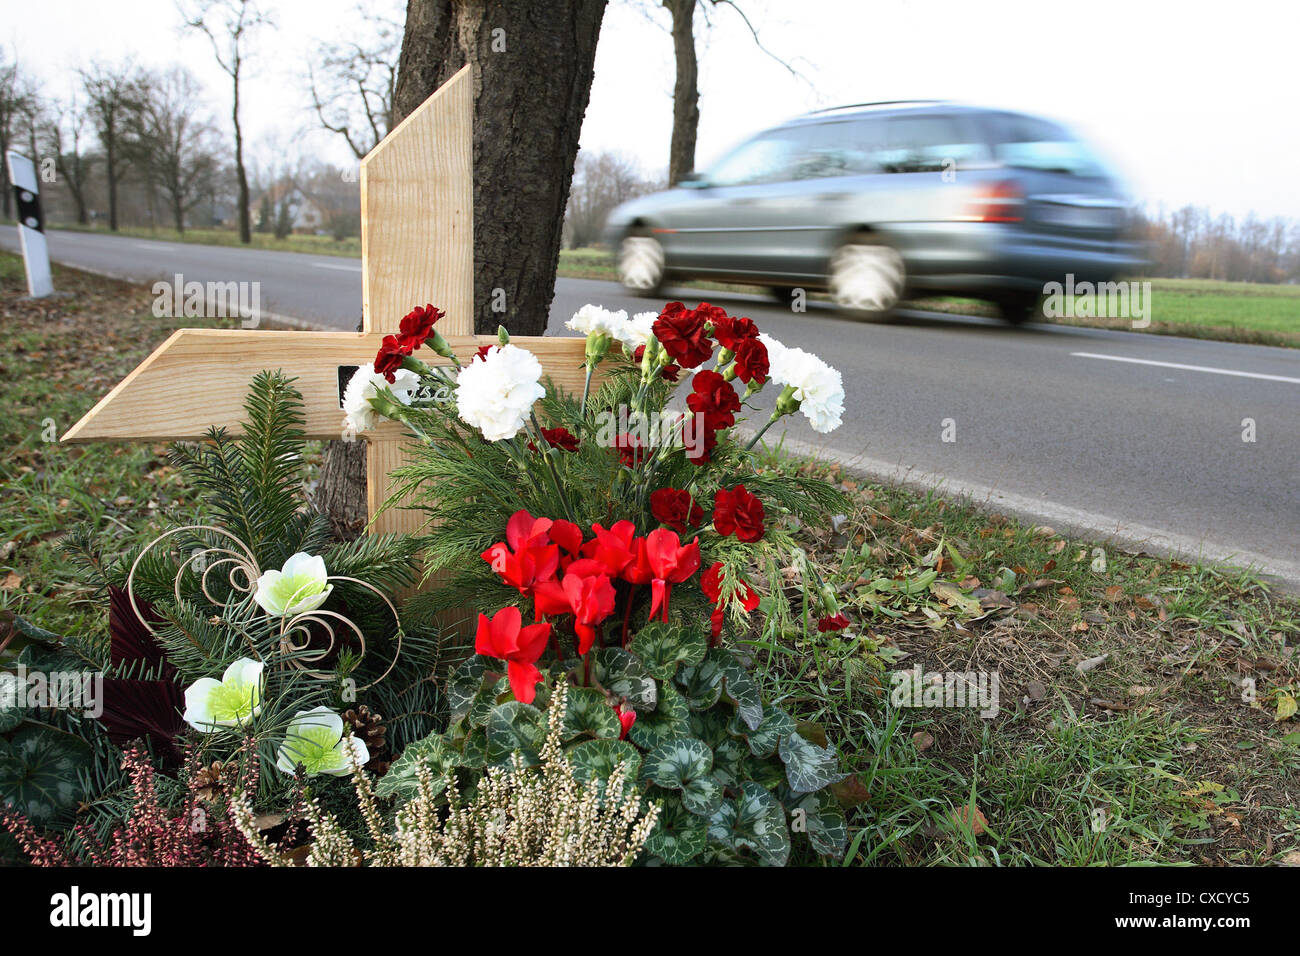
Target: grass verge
1142,703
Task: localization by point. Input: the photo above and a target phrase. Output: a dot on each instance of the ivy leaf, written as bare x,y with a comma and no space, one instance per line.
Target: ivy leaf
807,766
435,751
686,764
679,836
662,647
623,675
741,689
597,759
512,728
821,817
754,821
39,772
587,711
701,684
665,722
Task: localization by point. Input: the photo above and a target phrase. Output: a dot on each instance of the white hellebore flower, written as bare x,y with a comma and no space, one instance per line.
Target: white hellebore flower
358,414
818,388
315,740
229,702
300,586
497,395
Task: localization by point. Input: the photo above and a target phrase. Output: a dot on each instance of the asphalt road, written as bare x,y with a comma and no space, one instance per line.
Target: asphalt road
1136,437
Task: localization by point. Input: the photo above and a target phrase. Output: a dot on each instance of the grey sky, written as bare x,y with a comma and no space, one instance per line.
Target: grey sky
1193,101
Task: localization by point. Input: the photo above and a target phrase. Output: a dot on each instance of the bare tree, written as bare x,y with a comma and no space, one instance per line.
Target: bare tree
17,100
352,84
112,95
173,141
686,88
600,182
229,26
64,135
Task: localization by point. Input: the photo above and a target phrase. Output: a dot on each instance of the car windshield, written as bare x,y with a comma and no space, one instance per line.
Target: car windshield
1029,143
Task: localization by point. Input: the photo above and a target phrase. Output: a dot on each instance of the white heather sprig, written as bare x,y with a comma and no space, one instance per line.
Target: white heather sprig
496,395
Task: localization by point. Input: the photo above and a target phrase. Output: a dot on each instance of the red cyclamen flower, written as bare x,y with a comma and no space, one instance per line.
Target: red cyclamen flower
676,508
711,584
672,563
626,718
738,511
503,637
615,548
527,557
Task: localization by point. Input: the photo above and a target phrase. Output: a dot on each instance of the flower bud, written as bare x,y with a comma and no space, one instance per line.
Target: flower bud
786,403
503,337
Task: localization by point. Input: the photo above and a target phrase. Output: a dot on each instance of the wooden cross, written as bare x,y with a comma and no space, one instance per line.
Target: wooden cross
417,247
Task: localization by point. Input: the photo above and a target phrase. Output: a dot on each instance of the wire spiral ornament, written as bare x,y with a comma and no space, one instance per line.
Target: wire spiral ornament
241,573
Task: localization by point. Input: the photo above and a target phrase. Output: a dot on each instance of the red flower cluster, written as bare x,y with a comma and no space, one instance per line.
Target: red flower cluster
714,404
548,561
832,622
740,336
682,332
415,328
738,512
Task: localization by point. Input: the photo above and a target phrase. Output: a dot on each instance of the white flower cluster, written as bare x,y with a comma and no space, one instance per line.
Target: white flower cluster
358,414
818,388
594,320
496,393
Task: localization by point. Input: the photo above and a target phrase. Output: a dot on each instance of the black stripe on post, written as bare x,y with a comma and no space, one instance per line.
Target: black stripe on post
29,209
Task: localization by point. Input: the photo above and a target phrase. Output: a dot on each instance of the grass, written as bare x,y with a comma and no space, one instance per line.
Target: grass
1166,751
1152,751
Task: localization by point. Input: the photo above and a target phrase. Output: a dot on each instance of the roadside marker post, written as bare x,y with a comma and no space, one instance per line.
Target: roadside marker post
31,225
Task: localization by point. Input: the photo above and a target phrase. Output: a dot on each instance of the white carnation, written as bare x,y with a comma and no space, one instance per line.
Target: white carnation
818,388
592,319
496,395
358,415
639,330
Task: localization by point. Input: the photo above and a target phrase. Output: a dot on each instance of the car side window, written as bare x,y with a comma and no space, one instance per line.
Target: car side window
769,158
835,149
928,143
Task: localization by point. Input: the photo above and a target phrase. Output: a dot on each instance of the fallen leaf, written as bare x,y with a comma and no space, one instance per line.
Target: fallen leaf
962,815
922,741
1286,708
1090,663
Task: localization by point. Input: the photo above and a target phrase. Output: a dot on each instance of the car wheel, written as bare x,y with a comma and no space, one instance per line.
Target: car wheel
641,264
1020,307
867,278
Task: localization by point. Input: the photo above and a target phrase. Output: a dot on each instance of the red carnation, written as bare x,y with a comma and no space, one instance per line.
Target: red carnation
417,325
681,332
701,439
630,450
392,353
730,331
832,622
738,511
676,508
483,352
751,361
560,438
713,396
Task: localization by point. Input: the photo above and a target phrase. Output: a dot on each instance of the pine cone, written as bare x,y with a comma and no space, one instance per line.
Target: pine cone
207,782
369,729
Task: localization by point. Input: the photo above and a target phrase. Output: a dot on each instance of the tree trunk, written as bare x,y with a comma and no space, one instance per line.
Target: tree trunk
686,91
111,173
532,80
245,224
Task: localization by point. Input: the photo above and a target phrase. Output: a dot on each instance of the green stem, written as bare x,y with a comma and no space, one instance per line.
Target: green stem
754,441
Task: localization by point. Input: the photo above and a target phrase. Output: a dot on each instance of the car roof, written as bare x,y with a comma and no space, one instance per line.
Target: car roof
887,107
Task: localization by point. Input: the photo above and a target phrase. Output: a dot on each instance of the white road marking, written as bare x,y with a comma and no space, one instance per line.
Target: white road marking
330,265
1189,368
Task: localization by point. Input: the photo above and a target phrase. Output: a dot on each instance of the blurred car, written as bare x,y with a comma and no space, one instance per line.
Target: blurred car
877,202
